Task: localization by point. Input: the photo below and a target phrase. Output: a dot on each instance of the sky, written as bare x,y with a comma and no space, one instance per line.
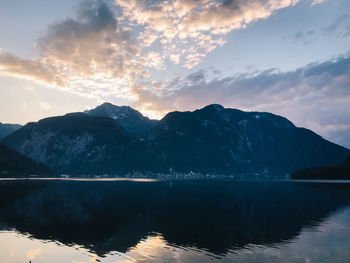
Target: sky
288,57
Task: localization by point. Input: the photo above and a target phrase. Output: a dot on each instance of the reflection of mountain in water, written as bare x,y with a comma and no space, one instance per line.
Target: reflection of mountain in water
217,216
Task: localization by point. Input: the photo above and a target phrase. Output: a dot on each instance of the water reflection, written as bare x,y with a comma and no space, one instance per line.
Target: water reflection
181,221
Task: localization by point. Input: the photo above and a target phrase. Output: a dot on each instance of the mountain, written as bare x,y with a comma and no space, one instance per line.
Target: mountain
338,172
13,163
212,140
81,144
6,129
219,140
346,162
131,120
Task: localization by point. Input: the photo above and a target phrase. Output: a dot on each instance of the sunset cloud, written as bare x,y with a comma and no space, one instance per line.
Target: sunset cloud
224,16
30,69
100,54
191,29
88,55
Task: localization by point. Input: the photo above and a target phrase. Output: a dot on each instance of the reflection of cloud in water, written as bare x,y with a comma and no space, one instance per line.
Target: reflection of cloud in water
151,248
111,222
328,242
156,249
33,253
92,259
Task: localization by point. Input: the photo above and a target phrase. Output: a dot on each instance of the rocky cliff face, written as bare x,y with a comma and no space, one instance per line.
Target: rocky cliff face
79,143
13,164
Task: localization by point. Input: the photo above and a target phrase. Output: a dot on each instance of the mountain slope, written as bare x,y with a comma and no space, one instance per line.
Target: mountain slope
81,144
346,162
131,120
219,140
338,172
6,129
13,163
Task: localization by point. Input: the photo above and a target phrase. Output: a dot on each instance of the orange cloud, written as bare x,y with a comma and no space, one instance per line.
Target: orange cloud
88,55
193,28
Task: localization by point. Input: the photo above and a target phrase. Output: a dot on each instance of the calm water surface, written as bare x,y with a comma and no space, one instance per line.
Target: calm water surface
173,221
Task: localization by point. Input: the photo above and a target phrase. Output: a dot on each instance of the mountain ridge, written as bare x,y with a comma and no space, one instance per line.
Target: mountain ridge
234,140
212,139
8,128
130,119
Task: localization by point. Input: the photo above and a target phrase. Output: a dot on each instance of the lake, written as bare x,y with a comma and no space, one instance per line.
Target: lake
112,221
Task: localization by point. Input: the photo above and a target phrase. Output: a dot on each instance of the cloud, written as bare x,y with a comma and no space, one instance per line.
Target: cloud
315,2
44,105
89,55
30,69
222,17
316,96
97,54
88,43
305,37
188,30
336,26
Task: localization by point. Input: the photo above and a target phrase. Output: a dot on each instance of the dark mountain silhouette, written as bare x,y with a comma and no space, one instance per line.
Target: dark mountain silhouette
219,140
81,144
338,172
6,129
346,162
131,120
13,164
210,140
